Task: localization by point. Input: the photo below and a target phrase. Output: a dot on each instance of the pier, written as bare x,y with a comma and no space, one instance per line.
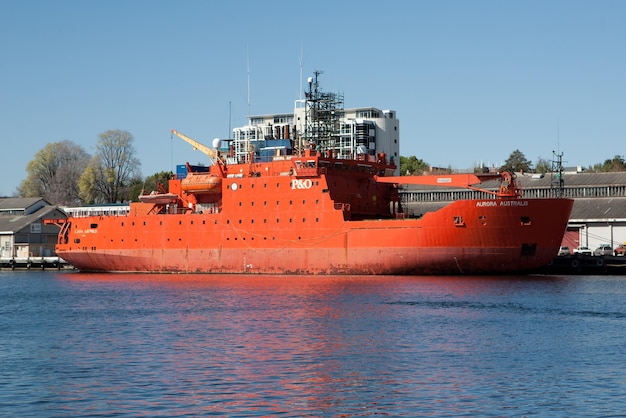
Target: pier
586,264
29,263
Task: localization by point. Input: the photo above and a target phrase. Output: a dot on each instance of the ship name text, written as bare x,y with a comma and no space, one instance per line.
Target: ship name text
86,231
501,203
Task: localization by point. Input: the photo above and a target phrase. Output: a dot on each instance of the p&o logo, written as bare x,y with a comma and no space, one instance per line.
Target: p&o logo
301,184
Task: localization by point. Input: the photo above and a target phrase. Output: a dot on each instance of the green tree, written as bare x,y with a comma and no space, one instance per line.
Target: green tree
412,166
86,185
613,165
54,173
112,170
543,166
516,163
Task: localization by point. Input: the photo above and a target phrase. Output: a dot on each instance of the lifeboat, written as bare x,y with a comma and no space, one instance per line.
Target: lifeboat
201,184
158,198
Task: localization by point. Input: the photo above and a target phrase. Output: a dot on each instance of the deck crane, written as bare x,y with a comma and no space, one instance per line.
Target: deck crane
509,187
213,155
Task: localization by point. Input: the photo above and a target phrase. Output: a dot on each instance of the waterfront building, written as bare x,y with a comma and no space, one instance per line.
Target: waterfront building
23,234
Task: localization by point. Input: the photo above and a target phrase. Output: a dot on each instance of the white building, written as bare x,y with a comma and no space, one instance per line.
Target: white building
320,121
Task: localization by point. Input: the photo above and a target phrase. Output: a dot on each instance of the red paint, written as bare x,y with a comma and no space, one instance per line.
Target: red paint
317,215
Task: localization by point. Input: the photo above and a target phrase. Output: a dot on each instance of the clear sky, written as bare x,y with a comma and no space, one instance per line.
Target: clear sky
471,81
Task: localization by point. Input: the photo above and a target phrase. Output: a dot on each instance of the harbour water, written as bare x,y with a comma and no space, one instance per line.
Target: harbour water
74,344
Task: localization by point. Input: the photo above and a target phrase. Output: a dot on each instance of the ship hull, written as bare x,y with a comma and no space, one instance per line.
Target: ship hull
464,237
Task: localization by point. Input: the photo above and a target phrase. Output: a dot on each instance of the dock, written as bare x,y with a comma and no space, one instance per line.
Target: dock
586,264
29,263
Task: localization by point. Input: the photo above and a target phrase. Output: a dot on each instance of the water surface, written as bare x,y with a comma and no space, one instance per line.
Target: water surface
74,344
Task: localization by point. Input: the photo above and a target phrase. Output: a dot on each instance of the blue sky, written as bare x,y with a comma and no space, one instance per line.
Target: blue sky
471,81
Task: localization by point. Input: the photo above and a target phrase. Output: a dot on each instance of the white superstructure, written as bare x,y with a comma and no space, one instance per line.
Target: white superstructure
321,122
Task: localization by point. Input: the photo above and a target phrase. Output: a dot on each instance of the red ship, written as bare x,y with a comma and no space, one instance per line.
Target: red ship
311,211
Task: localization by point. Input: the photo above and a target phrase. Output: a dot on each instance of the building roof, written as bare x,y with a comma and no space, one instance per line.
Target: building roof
597,209
530,180
20,203
18,213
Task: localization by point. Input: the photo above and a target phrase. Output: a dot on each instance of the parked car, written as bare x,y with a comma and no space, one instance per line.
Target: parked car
603,249
620,249
582,250
563,251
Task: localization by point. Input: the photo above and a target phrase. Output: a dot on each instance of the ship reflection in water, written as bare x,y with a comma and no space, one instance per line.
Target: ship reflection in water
172,345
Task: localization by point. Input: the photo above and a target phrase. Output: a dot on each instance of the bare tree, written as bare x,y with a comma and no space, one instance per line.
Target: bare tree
54,172
112,170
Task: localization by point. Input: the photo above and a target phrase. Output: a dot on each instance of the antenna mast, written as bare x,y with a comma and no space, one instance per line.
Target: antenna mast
558,135
322,127
556,175
300,59
248,67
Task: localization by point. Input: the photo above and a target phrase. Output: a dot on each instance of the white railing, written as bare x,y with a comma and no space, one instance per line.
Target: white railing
101,210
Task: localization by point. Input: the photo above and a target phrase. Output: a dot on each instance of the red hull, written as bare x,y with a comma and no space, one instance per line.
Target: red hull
465,237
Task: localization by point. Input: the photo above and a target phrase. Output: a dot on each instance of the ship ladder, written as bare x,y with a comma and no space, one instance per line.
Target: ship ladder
63,233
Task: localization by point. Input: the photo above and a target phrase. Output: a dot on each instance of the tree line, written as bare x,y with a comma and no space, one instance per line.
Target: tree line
517,162
63,173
